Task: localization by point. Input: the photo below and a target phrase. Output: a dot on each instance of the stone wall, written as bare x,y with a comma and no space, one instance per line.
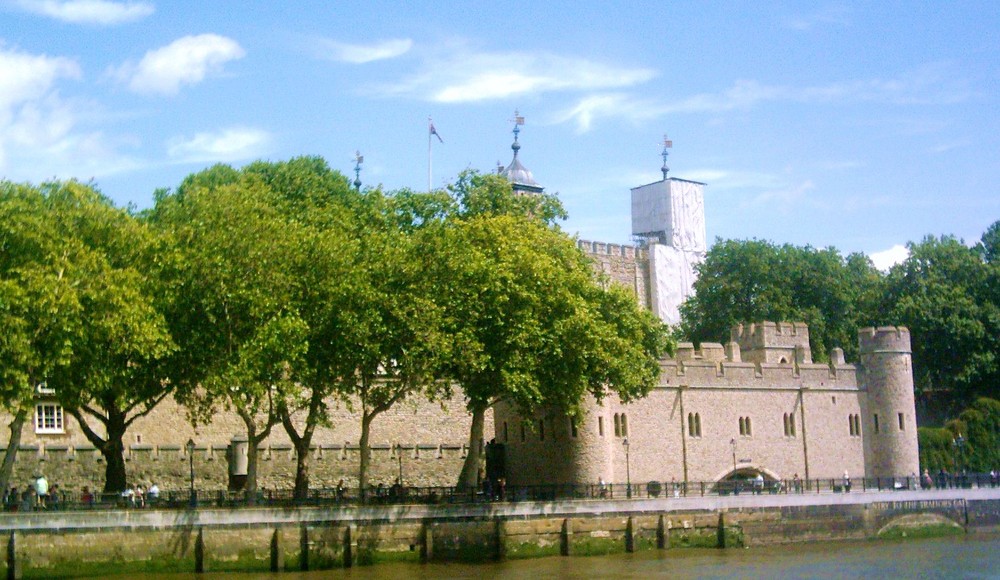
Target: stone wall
316,538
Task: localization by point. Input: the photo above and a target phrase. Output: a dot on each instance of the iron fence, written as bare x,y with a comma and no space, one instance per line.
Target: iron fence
398,495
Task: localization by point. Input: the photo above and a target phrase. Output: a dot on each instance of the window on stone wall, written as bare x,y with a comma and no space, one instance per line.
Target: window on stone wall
789,420
694,424
600,426
850,425
857,425
745,429
618,425
624,425
902,422
48,418
876,422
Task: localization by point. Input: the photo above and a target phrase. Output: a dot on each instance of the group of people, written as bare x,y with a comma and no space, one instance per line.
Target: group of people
37,495
138,496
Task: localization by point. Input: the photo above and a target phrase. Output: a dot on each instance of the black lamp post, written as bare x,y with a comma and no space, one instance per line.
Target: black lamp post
628,471
190,449
958,443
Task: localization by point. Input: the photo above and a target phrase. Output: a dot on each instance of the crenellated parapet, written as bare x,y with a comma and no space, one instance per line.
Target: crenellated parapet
888,339
774,342
602,248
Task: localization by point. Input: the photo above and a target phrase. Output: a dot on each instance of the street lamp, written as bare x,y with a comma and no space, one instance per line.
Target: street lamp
732,443
958,443
628,473
190,449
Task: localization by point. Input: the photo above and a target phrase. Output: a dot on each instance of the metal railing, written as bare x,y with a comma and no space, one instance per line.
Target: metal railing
397,495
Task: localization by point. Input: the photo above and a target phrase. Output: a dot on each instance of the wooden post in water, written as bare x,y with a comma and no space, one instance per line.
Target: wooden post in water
13,565
661,533
427,543
348,551
500,530
721,532
565,536
199,552
630,535
277,562
304,549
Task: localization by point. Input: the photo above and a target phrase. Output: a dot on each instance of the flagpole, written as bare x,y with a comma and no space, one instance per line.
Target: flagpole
429,159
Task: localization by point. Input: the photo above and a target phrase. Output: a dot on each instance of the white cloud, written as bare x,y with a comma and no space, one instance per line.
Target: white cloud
361,53
461,76
231,144
185,61
830,15
89,11
888,258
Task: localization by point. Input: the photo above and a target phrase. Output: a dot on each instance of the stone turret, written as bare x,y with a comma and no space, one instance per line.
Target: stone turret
889,411
774,342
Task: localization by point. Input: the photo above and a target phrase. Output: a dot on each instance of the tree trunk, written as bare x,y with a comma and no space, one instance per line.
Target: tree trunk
469,478
302,468
16,424
250,489
115,478
366,455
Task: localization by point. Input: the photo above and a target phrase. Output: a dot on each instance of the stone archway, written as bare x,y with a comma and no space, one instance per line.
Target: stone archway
744,479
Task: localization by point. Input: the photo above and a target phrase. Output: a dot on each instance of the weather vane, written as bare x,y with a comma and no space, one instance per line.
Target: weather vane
358,160
667,144
518,120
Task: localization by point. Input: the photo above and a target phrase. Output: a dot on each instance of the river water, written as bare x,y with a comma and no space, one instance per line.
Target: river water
972,556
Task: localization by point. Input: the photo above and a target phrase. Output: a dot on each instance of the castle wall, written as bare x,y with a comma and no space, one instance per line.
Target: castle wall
433,437
625,265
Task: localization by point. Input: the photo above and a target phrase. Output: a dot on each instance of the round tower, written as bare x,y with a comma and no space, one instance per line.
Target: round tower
550,448
888,407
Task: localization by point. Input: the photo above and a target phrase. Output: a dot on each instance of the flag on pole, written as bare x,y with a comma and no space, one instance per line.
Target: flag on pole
433,131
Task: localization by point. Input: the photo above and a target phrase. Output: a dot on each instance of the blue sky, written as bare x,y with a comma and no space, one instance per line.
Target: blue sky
855,125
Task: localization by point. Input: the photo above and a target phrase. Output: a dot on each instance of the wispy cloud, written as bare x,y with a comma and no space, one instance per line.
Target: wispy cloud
360,53
232,144
888,258
43,134
89,11
927,85
834,15
186,61
462,76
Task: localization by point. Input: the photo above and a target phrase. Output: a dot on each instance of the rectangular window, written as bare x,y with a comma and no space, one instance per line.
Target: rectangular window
600,426
49,418
901,422
876,422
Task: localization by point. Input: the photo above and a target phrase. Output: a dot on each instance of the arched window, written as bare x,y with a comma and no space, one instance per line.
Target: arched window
850,424
697,424
624,425
690,424
743,427
600,426
618,425
791,423
857,425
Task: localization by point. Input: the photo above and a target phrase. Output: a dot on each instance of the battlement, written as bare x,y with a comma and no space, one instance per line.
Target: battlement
773,342
602,248
884,339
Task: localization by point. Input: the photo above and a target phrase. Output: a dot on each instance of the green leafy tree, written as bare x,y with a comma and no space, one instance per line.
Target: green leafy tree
38,304
240,336
754,281
943,293
532,324
118,370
